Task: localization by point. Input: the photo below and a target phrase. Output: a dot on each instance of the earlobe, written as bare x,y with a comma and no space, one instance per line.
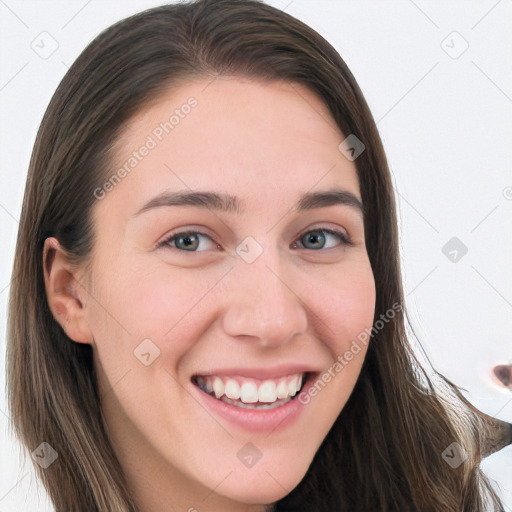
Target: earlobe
64,292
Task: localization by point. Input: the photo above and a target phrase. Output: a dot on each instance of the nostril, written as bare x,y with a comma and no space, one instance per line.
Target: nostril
503,372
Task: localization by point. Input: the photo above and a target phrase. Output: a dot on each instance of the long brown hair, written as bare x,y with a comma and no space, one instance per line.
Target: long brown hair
385,450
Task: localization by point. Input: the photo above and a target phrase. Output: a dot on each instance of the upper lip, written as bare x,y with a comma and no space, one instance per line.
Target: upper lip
259,373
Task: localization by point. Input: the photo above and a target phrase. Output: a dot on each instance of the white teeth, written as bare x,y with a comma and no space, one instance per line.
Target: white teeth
267,391
238,403
249,393
232,390
282,389
292,387
218,387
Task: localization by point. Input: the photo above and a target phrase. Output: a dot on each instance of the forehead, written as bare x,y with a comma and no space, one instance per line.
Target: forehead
256,140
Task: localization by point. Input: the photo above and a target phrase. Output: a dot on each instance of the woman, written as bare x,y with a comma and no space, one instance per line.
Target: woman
262,372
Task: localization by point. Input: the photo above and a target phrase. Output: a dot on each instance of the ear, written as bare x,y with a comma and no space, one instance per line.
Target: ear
66,296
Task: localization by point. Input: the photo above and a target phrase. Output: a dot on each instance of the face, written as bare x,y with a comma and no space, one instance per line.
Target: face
201,340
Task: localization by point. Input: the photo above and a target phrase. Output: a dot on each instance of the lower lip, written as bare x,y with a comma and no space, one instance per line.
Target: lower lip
257,420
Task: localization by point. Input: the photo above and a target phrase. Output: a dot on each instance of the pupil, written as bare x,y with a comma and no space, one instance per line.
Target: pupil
188,240
314,238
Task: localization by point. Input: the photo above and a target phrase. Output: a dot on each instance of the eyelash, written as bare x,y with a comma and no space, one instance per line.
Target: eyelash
345,240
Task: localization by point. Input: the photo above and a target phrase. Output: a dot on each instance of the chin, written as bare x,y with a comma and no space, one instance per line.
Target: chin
267,486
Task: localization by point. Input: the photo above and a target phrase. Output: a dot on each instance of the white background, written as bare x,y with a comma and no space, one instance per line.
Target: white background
445,120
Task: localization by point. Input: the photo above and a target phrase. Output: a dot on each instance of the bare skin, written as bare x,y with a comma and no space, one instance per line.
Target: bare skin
266,144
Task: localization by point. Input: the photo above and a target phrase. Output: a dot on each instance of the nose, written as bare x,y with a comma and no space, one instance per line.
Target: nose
264,304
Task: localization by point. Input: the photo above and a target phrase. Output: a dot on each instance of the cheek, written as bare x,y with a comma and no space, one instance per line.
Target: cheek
347,305
135,304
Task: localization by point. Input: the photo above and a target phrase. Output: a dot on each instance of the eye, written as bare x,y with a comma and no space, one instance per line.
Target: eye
317,237
185,240
189,241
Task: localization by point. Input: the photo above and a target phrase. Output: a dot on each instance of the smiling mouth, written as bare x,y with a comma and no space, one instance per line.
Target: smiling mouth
251,393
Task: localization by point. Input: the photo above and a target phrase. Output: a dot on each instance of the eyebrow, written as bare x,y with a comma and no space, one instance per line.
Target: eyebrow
231,204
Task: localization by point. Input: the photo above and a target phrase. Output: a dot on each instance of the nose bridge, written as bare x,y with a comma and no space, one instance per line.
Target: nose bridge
263,302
